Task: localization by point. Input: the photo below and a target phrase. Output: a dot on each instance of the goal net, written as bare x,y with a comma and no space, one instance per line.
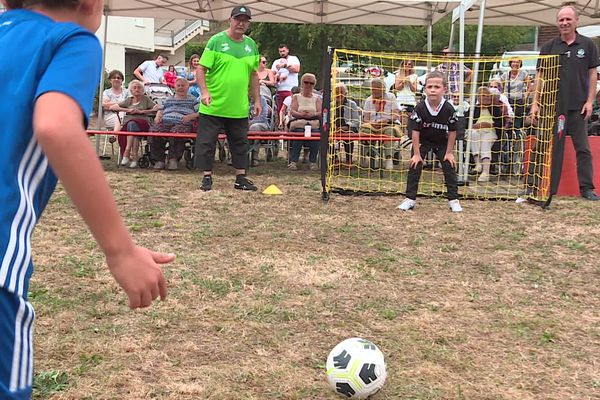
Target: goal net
501,152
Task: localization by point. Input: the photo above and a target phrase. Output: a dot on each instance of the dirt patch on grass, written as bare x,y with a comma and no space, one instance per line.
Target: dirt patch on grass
500,302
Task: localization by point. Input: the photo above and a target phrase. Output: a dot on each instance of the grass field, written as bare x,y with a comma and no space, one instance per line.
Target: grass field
499,302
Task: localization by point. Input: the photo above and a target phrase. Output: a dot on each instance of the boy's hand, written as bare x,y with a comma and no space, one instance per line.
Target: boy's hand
450,158
415,160
139,274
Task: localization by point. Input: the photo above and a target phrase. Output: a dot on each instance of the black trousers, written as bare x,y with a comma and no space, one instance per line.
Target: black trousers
209,128
576,127
518,106
414,174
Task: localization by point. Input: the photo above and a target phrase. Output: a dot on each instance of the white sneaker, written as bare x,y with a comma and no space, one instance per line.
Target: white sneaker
483,177
133,164
293,166
389,164
124,161
407,204
159,165
455,205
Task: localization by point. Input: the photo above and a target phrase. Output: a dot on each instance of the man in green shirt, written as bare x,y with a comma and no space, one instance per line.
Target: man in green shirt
228,69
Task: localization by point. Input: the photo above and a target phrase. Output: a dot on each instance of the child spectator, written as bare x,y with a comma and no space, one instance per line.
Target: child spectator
171,76
285,112
49,112
434,128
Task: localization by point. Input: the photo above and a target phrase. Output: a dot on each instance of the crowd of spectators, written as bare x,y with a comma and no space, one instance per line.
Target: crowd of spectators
290,104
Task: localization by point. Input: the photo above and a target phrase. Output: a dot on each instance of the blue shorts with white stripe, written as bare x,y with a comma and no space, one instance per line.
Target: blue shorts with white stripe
16,346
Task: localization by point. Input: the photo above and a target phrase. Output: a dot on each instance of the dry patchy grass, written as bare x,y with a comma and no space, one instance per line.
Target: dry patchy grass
500,302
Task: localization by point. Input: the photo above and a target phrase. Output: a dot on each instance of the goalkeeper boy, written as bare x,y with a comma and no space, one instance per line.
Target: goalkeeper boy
433,128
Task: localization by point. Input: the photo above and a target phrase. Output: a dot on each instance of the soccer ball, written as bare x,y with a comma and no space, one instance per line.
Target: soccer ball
356,368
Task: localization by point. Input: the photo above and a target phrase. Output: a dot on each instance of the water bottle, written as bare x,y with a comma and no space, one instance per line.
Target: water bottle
307,129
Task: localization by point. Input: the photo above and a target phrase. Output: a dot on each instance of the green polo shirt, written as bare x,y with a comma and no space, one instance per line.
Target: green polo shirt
229,66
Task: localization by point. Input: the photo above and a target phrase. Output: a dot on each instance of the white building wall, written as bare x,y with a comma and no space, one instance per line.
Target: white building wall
115,57
126,33
135,33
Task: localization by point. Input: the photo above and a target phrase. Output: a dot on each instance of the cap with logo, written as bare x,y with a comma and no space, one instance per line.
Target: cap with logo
241,10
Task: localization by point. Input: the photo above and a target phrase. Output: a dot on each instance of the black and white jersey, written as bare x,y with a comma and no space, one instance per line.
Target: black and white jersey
434,123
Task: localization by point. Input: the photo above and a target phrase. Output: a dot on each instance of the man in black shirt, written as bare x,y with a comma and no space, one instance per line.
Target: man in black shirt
577,89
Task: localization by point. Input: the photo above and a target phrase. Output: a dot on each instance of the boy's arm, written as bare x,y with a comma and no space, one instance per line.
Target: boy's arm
57,119
416,148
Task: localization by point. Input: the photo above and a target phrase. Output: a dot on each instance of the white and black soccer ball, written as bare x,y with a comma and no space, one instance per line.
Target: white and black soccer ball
356,368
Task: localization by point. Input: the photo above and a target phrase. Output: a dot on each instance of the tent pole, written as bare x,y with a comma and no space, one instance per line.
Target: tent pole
429,36
101,85
473,90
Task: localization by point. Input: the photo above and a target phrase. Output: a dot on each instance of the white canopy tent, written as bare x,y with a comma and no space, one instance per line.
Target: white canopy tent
374,12
528,12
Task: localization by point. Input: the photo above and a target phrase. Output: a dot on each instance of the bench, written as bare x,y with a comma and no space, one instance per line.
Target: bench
258,136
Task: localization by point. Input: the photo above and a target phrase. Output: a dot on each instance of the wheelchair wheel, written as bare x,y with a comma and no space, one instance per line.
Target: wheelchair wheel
144,162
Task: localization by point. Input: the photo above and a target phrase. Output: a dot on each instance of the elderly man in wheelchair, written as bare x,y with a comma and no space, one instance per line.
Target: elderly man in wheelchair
176,115
262,122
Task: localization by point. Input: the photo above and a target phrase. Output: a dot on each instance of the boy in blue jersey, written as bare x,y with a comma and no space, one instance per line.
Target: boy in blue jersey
46,41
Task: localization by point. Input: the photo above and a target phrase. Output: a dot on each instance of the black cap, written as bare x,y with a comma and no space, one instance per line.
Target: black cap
241,10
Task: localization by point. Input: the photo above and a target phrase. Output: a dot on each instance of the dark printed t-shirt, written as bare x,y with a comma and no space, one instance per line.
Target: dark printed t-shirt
433,124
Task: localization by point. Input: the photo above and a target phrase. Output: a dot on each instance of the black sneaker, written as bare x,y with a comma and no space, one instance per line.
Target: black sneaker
590,195
243,183
206,183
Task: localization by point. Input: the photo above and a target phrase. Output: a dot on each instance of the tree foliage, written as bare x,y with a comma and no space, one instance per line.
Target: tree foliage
309,42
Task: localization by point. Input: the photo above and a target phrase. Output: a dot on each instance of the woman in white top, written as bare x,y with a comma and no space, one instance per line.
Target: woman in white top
305,110
406,89
113,95
517,84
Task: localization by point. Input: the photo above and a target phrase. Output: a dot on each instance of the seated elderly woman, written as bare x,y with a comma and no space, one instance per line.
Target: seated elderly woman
487,121
347,118
305,110
380,114
137,108
175,116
